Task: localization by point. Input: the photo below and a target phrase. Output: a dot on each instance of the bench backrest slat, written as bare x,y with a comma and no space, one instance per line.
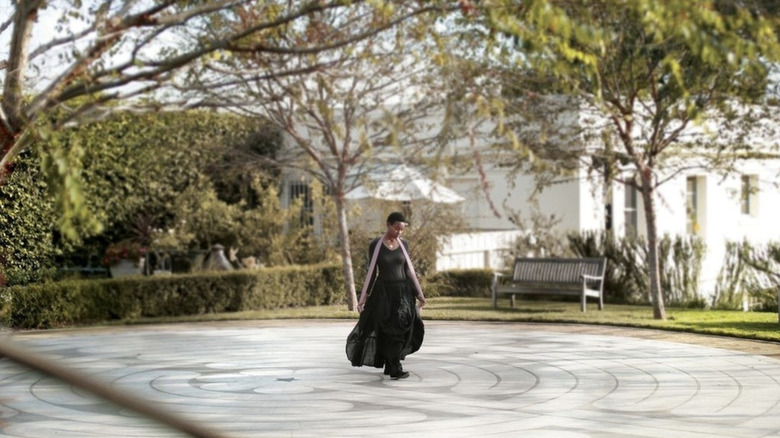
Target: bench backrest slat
532,270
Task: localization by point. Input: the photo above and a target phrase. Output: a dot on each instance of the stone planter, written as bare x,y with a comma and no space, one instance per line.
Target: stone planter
124,268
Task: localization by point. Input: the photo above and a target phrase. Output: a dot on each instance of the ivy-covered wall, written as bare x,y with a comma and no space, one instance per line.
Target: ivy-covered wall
27,246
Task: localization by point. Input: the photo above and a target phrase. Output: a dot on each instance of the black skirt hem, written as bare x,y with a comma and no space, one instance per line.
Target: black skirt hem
390,316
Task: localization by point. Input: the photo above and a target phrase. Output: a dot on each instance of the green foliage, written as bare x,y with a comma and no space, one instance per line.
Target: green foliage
738,324
246,161
460,283
129,298
730,278
152,179
601,47
749,273
279,236
290,234
140,164
27,248
271,234
62,166
102,174
125,249
626,278
209,219
140,177
647,71
764,300
681,262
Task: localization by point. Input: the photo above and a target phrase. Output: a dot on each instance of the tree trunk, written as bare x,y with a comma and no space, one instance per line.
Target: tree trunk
346,253
653,265
12,118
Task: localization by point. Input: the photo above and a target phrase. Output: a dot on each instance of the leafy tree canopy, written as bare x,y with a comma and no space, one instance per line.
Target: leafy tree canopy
134,169
648,73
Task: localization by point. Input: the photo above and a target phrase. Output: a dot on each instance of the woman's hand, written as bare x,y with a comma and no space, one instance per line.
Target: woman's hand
361,304
422,301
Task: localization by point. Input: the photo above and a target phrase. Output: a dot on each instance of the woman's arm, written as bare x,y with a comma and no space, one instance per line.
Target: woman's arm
369,278
413,275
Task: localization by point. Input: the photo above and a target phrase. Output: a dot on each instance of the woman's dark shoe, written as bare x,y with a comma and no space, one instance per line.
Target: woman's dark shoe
403,375
387,369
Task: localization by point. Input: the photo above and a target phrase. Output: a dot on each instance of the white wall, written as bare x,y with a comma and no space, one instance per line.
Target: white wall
564,200
724,220
720,218
476,250
579,205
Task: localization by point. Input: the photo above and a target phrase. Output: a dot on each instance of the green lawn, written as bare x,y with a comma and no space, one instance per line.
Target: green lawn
752,325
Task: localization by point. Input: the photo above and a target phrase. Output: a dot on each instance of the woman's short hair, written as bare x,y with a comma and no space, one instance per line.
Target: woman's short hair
396,216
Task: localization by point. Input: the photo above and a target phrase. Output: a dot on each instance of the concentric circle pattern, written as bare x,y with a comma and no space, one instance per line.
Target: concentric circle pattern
292,379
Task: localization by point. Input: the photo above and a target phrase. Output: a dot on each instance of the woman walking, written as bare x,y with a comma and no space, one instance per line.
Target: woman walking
389,327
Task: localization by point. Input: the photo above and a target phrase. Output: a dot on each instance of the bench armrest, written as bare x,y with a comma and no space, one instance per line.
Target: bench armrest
592,277
498,278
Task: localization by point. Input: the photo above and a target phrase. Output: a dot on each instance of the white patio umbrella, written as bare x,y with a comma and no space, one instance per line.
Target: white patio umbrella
404,183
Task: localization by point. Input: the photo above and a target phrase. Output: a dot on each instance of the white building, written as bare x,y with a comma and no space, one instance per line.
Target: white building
744,204
741,205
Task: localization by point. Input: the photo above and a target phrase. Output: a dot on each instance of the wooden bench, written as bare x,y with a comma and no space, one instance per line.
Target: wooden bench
553,276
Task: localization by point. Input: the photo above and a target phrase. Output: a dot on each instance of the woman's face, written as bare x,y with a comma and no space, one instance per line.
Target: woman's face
395,229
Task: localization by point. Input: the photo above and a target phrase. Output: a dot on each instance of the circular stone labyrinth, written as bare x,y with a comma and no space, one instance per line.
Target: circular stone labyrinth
292,379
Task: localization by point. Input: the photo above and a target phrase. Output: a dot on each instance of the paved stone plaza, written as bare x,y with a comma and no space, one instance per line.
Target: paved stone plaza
292,379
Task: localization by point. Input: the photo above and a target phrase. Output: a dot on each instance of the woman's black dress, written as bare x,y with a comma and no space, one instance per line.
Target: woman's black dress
389,328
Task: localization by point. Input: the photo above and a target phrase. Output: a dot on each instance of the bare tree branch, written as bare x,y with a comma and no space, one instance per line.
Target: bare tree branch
129,45
354,104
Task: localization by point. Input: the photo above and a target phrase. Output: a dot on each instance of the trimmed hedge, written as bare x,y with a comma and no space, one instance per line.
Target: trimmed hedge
48,305
459,283
69,302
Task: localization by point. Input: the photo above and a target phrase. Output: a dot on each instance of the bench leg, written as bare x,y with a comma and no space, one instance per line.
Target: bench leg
495,298
512,299
584,304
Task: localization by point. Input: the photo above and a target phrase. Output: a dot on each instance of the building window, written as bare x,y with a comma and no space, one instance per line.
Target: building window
748,195
631,213
692,205
301,191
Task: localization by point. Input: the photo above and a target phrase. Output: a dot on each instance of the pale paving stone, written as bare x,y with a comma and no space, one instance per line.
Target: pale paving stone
292,379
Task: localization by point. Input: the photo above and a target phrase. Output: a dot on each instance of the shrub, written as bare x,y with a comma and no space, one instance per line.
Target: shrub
764,300
626,278
749,273
681,260
126,249
26,231
460,283
128,298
